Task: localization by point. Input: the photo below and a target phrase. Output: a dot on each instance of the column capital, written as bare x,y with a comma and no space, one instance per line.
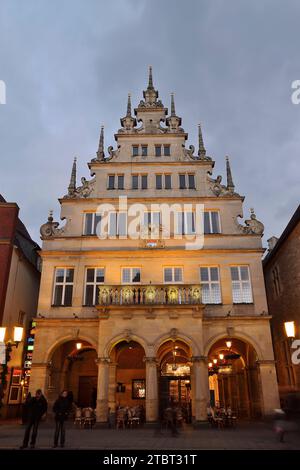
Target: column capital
150,360
198,359
266,362
102,360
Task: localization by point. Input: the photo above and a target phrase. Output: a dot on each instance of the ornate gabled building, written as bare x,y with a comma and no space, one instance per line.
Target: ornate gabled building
152,290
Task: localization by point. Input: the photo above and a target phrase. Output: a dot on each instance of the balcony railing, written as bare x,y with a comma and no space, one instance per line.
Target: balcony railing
167,294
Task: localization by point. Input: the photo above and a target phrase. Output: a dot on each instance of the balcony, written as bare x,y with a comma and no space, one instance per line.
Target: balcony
166,294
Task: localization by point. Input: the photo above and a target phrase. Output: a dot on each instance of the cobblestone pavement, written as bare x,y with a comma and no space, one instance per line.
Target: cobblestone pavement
246,436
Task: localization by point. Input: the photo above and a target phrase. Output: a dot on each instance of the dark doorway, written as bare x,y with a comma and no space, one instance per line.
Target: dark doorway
86,391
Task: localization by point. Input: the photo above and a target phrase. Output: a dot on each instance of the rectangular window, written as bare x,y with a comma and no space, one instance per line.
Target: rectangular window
92,223
111,182
241,285
158,150
94,278
173,274
135,182
135,150
152,219
210,284
182,181
63,287
168,182
185,223
144,150
120,181
131,275
117,224
211,222
158,181
276,281
167,151
191,179
144,181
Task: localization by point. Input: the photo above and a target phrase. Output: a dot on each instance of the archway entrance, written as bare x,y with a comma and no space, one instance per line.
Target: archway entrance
129,379
175,376
73,367
234,377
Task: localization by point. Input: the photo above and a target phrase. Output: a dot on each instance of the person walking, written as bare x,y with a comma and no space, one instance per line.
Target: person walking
61,408
37,407
25,409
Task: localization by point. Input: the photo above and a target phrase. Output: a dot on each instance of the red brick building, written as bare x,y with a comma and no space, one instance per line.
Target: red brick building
282,278
19,287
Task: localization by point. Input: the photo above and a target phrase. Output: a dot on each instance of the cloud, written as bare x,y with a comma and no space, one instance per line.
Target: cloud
68,66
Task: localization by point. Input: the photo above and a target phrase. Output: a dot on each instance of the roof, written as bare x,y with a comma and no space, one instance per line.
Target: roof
24,242
285,234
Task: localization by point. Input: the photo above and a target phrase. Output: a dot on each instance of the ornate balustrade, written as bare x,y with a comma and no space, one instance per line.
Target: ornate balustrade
150,295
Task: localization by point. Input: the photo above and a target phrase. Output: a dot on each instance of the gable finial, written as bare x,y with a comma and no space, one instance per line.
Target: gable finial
150,80
100,152
128,114
72,185
173,113
230,185
201,151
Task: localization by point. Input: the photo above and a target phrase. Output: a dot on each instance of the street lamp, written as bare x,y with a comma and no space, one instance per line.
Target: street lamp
17,336
221,356
289,327
229,344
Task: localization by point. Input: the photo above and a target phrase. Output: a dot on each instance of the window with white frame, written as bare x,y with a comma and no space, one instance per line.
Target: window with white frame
185,223
241,285
173,274
210,285
152,221
211,222
63,287
93,279
117,224
91,223
131,275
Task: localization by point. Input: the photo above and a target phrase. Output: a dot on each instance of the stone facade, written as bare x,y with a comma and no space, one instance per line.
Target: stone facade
282,277
155,311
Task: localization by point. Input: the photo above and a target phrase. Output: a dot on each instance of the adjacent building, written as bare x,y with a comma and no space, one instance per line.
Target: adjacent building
282,277
19,288
152,289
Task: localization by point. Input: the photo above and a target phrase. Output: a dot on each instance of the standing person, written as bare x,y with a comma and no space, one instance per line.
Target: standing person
37,407
25,408
61,408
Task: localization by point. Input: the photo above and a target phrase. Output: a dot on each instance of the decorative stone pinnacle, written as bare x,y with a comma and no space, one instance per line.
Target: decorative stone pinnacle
230,185
72,185
173,113
50,217
100,153
150,81
201,151
128,114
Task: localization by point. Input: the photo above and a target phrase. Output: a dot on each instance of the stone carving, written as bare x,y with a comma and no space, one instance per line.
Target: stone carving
174,334
50,228
82,191
189,153
252,226
219,189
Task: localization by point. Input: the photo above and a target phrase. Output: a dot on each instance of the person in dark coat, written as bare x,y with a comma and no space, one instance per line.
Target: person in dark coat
61,408
25,409
37,407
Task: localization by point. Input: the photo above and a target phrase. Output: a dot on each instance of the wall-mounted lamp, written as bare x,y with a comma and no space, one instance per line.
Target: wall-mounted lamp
289,327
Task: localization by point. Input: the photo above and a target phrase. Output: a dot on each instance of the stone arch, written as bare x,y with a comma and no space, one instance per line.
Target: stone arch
64,339
180,337
107,349
238,335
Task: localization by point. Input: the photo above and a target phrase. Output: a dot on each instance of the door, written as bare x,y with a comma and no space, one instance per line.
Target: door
87,391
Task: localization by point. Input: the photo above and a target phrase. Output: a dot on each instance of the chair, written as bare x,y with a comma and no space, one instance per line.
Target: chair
78,419
88,417
134,418
121,418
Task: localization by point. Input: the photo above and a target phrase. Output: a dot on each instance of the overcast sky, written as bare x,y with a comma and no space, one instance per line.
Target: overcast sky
68,66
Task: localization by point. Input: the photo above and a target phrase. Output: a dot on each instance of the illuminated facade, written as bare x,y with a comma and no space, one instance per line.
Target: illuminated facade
151,314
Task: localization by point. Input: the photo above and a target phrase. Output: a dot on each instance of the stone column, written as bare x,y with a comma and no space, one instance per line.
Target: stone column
39,378
112,378
269,387
151,390
102,389
201,387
